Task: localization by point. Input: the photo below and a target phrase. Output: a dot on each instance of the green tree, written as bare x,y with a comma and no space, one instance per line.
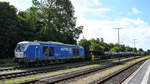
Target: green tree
8,29
59,23
122,48
86,44
30,23
140,50
26,31
148,51
110,46
128,49
101,43
134,50
115,49
96,47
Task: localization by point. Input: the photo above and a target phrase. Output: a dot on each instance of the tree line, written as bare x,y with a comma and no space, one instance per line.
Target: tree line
45,20
100,45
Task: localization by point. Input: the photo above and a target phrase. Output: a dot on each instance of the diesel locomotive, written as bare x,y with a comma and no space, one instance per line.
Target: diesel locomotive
38,52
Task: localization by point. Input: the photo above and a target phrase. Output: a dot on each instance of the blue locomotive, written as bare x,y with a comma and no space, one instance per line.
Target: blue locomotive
44,52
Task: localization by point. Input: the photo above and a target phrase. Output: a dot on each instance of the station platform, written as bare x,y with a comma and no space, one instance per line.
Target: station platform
141,75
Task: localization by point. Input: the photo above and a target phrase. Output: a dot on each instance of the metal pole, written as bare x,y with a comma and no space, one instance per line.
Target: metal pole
118,35
134,44
118,38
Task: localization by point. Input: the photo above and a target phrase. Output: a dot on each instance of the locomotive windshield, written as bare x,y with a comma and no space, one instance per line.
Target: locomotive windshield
20,47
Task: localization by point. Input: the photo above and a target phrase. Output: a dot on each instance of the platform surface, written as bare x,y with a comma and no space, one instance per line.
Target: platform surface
141,76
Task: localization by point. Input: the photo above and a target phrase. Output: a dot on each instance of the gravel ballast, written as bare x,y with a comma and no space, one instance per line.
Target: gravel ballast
89,78
122,76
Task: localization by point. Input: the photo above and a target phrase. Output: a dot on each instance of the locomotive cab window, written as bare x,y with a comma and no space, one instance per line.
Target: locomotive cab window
75,52
51,51
20,47
45,51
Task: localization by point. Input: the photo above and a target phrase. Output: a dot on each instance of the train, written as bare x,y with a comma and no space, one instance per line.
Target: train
31,52
108,54
39,52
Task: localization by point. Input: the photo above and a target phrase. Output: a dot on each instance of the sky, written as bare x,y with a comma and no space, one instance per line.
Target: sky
100,17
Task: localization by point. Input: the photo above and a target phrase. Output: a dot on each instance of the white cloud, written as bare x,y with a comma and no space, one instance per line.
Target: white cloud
88,7
103,28
136,11
86,3
96,2
95,9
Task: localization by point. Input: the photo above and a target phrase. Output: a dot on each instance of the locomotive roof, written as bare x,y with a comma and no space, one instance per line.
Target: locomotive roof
47,43
57,43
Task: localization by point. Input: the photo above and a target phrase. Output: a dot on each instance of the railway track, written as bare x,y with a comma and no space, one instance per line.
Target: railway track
33,71
33,67
44,69
122,74
19,67
6,65
66,76
30,72
7,68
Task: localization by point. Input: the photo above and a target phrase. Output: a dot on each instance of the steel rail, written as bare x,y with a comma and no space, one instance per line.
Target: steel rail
65,76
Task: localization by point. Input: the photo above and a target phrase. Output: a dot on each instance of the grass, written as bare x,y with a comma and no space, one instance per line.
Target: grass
7,62
36,76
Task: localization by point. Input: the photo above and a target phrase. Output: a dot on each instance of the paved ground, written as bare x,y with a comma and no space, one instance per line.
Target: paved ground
141,76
